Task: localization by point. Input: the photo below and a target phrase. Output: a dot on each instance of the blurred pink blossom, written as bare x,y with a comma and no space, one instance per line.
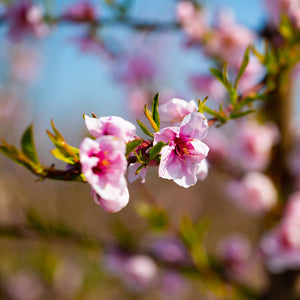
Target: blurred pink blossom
185,10
172,112
218,143
137,69
228,40
281,246
25,18
234,252
173,285
255,192
192,20
209,86
181,157
25,285
112,125
81,11
251,145
103,164
90,43
25,63
169,249
138,272
278,8
137,98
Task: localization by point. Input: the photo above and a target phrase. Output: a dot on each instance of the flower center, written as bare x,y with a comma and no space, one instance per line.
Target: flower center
183,147
103,163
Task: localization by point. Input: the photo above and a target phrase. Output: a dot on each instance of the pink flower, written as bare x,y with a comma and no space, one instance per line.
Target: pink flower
132,168
25,18
113,125
255,192
252,144
173,111
180,159
82,11
202,170
209,86
103,164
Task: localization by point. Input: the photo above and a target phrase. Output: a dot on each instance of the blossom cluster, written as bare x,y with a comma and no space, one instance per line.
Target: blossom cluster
182,158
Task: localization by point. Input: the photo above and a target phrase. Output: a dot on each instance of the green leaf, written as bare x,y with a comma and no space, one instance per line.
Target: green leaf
286,28
218,74
155,150
201,105
225,76
155,114
132,145
69,152
221,76
149,117
17,156
210,111
27,144
144,128
59,155
139,169
239,114
243,67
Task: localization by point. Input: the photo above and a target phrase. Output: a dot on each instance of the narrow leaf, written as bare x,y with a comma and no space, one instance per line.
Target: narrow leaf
144,128
220,76
132,145
240,114
149,117
156,149
201,104
243,67
59,155
225,77
27,145
210,111
155,114
57,133
139,169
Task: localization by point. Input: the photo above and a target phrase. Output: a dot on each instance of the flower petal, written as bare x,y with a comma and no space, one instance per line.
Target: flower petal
194,125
